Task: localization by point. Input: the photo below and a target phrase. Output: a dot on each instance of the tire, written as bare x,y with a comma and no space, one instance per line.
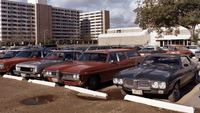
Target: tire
124,92
196,78
93,82
175,94
11,72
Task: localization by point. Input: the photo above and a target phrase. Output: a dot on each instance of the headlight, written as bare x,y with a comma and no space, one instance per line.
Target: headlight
1,66
162,85
48,73
117,81
158,85
76,76
17,68
155,85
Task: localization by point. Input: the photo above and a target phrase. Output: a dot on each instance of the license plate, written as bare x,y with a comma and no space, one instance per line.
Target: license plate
137,92
54,79
23,75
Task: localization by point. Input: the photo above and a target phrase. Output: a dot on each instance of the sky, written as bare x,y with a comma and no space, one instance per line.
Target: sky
121,11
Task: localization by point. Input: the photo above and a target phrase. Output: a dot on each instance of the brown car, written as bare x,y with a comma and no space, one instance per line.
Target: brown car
93,67
8,65
179,49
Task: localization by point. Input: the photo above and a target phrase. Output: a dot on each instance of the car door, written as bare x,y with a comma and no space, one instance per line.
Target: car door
134,58
187,72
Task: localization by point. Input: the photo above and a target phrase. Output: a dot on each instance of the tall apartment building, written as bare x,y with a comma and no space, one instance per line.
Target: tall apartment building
37,22
17,22
94,23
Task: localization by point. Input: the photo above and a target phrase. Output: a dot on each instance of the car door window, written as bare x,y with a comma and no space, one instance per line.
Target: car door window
121,56
185,61
113,57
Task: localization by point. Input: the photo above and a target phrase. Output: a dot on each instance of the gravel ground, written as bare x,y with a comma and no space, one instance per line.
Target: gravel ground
12,93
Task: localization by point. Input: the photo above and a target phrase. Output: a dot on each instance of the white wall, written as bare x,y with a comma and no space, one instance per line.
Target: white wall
38,2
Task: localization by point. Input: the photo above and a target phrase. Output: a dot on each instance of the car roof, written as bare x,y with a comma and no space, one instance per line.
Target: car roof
107,50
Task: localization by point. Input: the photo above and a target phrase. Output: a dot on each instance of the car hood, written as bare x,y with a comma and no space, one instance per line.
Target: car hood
14,60
75,67
37,63
148,73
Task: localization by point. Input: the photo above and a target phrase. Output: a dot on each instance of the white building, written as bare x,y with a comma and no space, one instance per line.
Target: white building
44,2
124,36
179,36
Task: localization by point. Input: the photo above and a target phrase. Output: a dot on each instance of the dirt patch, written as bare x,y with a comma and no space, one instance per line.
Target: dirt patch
38,100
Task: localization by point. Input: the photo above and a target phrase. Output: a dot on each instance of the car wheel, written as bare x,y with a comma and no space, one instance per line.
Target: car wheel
196,78
176,94
124,92
11,72
93,82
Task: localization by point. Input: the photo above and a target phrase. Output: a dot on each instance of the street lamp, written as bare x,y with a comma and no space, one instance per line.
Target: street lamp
44,39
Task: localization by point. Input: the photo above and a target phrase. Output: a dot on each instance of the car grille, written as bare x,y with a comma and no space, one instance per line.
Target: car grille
137,84
67,76
128,83
25,69
145,85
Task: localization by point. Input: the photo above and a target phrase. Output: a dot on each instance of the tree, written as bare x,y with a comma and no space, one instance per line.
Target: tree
169,13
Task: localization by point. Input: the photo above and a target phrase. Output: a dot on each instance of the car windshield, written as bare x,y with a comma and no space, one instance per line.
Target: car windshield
24,54
54,56
161,60
61,56
97,57
10,54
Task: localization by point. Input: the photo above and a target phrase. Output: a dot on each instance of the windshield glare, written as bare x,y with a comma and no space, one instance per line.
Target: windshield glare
155,60
97,57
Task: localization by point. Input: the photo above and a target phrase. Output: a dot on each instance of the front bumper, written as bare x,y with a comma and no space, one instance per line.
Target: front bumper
28,74
65,82
150,91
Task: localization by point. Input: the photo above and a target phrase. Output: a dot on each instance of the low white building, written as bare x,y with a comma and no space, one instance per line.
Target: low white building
124,36
179,36
137,36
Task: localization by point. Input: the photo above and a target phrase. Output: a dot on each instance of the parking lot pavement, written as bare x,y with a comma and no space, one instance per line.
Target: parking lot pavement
192,98
24,97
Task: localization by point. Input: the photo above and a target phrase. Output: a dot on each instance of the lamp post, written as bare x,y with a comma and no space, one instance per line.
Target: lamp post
44,39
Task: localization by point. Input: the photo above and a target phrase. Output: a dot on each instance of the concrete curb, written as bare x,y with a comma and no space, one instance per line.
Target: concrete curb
160,104
88,92
13,77
51,84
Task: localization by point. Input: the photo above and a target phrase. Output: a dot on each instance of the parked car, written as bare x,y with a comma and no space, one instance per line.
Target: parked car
3,50
162,74
148,50
33,69
93,67
193,48
179,49
8,65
